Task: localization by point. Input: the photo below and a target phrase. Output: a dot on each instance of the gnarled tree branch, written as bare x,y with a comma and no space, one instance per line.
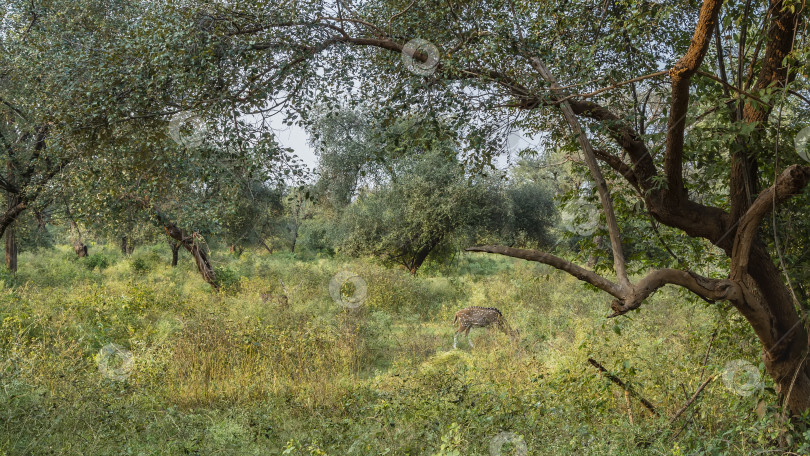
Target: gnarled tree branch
788,184
556,262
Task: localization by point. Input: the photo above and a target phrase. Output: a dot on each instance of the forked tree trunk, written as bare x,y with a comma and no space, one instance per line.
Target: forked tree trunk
413,263
124,247
190,243
264,244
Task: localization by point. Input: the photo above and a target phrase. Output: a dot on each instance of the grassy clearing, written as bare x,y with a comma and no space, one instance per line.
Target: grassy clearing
235,373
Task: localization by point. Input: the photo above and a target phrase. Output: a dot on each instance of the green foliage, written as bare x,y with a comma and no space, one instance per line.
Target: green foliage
320,234
146,260
227,278
100,261
428,207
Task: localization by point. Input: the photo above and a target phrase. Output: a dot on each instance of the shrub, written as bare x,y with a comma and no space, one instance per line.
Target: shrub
96,260
227,278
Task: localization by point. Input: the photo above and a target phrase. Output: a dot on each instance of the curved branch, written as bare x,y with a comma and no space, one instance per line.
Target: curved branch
619,166
556,262
791,182
630,297
710,289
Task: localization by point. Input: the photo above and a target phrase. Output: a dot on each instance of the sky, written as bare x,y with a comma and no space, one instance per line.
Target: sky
297,139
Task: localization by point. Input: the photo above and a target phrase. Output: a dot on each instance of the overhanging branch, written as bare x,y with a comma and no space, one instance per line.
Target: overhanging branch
556,262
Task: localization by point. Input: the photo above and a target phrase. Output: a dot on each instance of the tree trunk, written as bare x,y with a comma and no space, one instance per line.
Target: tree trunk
420,257
175,252
124,247
189,243
593,258
783,333
13,200
11,247
79,248
78,245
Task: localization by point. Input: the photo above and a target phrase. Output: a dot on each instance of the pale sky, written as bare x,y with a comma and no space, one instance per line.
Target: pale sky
296,138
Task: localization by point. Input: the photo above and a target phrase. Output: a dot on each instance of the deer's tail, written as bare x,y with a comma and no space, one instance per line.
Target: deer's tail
455,319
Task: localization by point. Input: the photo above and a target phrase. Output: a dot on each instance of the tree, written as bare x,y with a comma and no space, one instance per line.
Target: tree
517,62
419,214
250,220
297,209
531,213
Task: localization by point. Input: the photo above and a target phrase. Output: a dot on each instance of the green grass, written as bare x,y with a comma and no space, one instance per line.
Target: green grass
228,373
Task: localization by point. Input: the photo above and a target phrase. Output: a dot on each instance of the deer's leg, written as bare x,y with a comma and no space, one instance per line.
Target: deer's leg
468,337
455,340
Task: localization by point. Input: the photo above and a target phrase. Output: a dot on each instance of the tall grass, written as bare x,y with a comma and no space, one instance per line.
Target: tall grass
231,372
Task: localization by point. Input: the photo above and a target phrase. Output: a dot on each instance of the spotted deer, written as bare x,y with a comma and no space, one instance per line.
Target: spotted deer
481,317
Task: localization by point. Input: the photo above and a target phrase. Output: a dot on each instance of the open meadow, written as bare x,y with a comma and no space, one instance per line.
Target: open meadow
202,372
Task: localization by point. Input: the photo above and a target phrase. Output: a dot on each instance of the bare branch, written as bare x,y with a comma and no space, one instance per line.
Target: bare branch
623,385
691,400
556,262
590,159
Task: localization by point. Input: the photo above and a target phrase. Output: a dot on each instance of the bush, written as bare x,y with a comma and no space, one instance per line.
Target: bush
145,261
227,279
97,260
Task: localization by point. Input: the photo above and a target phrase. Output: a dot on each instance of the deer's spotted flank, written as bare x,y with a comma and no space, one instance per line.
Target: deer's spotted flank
481,317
